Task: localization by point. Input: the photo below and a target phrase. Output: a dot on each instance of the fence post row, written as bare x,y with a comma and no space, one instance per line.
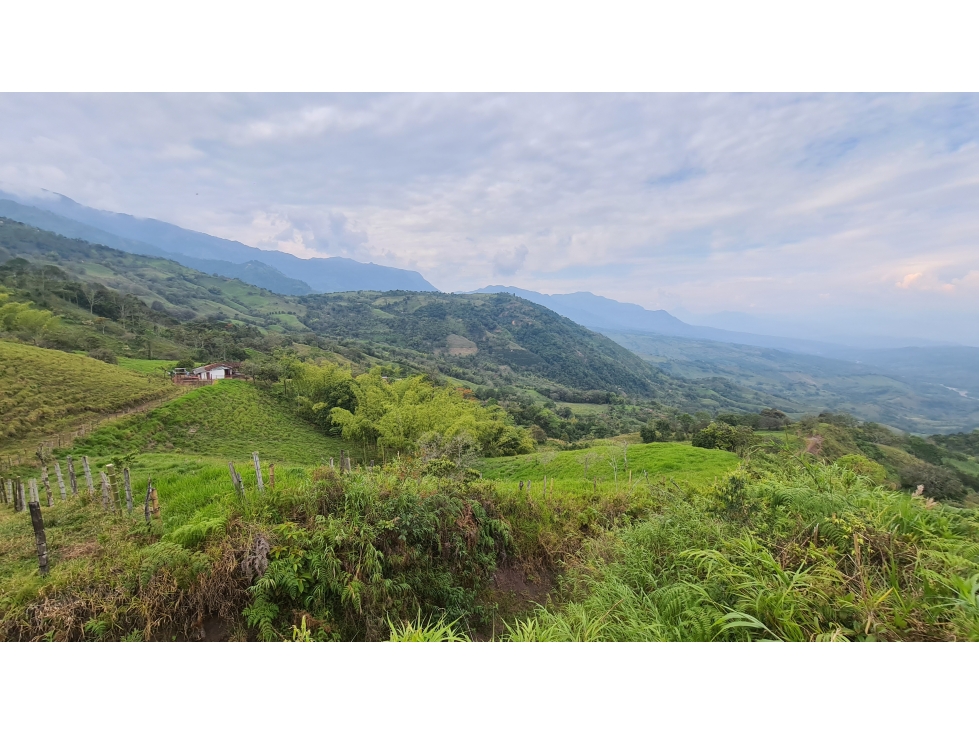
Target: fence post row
42,545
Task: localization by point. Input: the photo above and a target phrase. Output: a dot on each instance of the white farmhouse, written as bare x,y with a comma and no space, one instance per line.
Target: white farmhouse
217,371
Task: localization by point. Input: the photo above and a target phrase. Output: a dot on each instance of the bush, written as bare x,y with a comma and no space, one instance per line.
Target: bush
185,364
939,483
864,467
104,355
723,436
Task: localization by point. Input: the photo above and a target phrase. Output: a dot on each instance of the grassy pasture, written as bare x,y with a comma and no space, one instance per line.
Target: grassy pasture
44,390
231,418
147,366
606,463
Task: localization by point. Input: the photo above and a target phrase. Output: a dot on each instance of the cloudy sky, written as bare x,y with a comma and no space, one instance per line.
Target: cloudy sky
825,215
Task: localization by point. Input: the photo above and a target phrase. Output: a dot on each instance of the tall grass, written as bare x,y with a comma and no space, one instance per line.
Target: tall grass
813,553
44,390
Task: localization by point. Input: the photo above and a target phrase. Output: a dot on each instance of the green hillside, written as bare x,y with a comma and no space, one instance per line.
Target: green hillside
607,463
498,340
44,390
75,270
230,418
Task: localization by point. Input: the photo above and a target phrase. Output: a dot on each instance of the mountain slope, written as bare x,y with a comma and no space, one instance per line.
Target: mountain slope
327,275
499,339
177,289
254,272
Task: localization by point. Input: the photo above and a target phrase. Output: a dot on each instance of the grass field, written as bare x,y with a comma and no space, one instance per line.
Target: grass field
147,366
44,390
606,463
231,418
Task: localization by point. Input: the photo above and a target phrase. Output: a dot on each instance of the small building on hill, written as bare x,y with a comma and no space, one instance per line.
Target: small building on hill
217,371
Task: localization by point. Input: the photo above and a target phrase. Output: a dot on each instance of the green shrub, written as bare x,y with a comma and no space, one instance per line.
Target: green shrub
104,355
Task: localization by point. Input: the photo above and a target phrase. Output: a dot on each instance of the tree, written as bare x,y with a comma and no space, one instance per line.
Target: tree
723,436
537,433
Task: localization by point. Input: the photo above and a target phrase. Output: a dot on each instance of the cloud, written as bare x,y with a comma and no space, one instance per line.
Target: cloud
763,203
508,263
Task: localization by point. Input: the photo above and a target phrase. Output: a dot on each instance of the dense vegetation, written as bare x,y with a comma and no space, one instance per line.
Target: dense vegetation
781,549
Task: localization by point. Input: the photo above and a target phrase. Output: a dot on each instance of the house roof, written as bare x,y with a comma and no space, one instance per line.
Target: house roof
213,365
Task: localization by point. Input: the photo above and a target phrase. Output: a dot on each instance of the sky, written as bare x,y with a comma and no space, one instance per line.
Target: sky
809,215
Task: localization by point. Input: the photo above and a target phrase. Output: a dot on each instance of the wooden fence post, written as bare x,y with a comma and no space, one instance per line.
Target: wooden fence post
258,472
42,544
3,490
72,479
272,476
32,483
61,481
88,477
146,503
47,485
129,490
155,503
105,490
331,462
115,491
236,480
346,463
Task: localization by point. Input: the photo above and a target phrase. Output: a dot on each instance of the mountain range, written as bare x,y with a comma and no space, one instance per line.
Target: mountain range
276,271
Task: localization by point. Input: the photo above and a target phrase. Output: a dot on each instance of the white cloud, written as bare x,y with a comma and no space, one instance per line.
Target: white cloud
778,204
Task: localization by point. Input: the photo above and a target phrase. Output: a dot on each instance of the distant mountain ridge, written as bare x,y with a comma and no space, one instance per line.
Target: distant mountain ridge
253,272
598,312
323,275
